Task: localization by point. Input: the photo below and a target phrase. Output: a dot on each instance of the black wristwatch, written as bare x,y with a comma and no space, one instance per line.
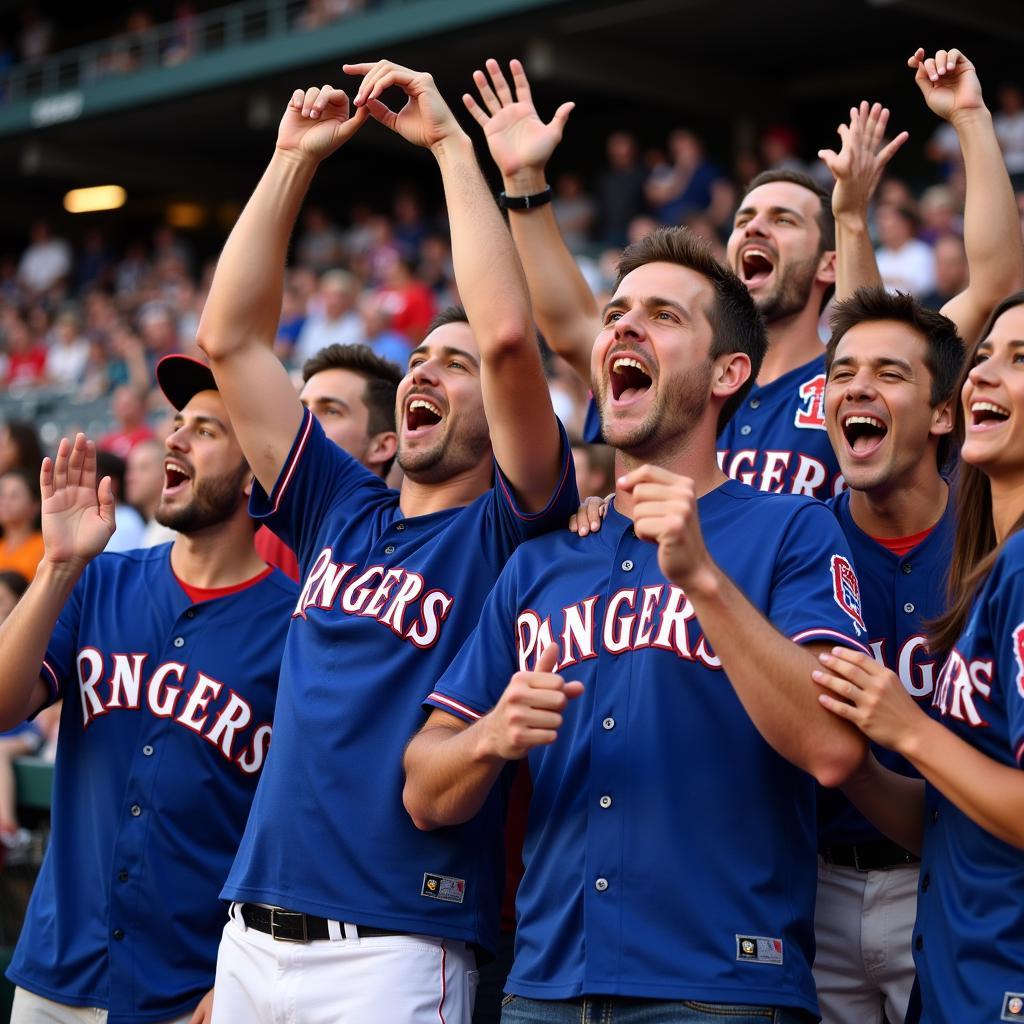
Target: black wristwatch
507,202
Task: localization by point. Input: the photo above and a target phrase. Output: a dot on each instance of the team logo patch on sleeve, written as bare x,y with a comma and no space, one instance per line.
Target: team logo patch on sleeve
444,887
1018,653
846,590
757,949
1013,1006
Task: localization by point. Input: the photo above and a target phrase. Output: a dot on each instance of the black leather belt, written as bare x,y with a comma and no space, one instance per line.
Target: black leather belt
291,926
868,856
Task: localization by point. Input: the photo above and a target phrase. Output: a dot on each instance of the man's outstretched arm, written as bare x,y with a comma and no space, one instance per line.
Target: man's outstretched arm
490,280
521,145
995,253
239,321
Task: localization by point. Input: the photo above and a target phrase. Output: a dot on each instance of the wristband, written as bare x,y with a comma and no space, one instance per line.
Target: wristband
507,202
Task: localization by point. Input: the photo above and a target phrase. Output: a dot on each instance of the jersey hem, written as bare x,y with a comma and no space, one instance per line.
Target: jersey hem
100,1003
746,995
369,918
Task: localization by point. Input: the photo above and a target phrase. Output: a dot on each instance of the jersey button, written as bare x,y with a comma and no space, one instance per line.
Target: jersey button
390,549
754,403
190,614
907,568
745,429
136,810
179,641
627,565
601,884
908,607
147,750
118,934
608,723
122,875
400,527
605,802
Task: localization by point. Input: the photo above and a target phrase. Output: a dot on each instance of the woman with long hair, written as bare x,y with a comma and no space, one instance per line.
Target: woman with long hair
21,547
967,816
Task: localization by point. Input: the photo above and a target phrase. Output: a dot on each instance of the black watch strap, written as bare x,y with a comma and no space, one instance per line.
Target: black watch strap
507,202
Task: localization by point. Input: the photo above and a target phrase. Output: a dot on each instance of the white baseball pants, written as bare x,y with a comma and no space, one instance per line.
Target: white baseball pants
32,1009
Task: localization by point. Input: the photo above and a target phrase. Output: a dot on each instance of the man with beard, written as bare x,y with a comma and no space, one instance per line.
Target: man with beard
342,909
782,247
168,694
655,687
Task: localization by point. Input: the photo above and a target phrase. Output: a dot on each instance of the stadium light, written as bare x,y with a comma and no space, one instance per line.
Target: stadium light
92,200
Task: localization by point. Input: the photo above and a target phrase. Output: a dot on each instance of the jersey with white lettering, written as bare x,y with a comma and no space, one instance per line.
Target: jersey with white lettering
165,726
385,605
970,907
670,851
901,594
777,441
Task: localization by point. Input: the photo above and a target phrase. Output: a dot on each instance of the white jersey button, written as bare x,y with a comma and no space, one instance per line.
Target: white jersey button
608,723
179,641
601,884
605,801
390,549
147,750
908,607
744,430
627,565
136,810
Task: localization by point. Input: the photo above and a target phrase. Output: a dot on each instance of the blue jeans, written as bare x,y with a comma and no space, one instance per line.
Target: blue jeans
616,1010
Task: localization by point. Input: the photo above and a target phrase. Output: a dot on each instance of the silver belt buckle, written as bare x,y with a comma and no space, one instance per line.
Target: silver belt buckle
274,924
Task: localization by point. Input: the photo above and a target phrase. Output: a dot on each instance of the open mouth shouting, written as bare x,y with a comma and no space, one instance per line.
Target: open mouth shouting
628,378
864,434
422,414
176,477
987,415
756,265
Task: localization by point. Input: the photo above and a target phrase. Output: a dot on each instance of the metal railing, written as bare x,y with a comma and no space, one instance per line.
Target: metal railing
176,43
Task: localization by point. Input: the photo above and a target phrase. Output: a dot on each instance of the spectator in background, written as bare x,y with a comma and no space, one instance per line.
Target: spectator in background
779,146
321,246
45,263
21,547
20,447
905,263
293,319
95,264
408,300
689,184
128,533
159,329
574,211
940,214
951,273
379,335
144,478
595,469
436,270
129,409
410,226
620,188
1009,126
36,39
68,356
181,44
26,358
333,319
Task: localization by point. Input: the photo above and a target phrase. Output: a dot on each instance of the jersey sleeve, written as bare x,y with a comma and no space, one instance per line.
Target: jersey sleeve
513,525
479,673
317,478
58,669
815,593
1007,627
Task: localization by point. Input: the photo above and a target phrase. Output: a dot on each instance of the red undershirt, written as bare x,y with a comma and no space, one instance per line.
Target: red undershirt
197,594
899,546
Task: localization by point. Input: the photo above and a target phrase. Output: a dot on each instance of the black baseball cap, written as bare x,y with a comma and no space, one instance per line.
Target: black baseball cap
182,377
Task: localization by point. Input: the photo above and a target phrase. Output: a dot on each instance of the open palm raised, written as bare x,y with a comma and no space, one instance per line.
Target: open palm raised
77,517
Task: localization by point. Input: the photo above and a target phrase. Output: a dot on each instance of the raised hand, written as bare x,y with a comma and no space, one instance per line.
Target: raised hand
77,517
516,136
665,512
317,122
529,713
869,695
425,120
948,82
860,162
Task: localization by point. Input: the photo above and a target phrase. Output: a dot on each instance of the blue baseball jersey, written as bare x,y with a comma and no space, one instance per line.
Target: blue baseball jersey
164,729
969,935
777,441
670,851
385,605
900,594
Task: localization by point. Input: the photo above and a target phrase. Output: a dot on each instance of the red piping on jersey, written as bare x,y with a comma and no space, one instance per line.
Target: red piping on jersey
290,468
1020,753
455,705
440,1005
554,497
832,633
55,689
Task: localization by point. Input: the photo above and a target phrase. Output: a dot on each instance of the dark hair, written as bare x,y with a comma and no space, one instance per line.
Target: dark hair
944,352
109,464
29,479
975,545
381,375
736,325
449,315
826,221
26,440
14,582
